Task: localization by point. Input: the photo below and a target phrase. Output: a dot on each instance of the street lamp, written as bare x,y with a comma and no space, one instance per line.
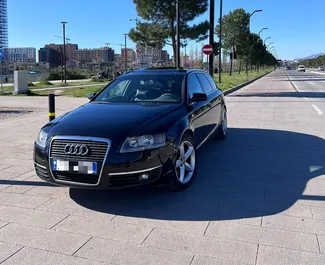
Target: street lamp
261,31
267,39
220,32
269,45
255,11
65,59
125,52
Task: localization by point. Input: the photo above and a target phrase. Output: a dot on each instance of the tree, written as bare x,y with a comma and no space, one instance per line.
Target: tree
235,32
160,24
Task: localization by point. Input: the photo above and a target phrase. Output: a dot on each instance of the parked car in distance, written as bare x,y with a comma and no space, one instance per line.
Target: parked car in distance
288,68
321,68
301,68
143,127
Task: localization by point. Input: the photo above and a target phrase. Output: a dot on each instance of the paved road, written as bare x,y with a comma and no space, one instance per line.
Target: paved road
259,196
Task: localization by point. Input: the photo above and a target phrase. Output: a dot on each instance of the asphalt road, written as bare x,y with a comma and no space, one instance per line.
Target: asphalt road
309,81
258,199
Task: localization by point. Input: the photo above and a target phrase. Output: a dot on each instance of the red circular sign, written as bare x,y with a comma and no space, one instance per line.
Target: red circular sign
207,49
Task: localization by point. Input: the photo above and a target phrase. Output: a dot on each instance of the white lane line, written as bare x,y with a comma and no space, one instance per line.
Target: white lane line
312,83
305,98
318,110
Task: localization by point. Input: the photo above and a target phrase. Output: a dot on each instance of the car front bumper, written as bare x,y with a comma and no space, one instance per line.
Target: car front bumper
115,171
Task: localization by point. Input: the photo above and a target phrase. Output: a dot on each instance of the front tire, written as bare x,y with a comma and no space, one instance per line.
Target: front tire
184,165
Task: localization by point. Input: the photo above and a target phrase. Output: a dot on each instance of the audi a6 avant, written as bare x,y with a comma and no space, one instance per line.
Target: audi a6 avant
143,127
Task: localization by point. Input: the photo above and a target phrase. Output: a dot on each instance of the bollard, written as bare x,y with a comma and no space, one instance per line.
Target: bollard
51,107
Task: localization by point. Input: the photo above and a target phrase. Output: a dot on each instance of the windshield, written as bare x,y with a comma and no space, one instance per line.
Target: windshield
143,88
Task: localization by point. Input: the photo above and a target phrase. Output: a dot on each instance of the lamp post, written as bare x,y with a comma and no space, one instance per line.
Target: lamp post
269,45
64,55
178,40
266,39
211,37
255,11
125,53
262,30
220,41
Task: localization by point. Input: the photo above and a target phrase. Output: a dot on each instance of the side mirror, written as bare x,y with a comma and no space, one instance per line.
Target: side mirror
91,95
197,97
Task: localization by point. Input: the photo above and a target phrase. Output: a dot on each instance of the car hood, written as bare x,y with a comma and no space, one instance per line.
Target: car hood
108,120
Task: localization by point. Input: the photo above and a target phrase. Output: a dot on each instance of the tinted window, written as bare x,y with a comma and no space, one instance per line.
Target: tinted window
205,83
194,85
212,83
132,88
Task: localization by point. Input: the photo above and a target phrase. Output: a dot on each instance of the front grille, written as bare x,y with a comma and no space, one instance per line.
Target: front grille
97,150
78,178
41,172
132,179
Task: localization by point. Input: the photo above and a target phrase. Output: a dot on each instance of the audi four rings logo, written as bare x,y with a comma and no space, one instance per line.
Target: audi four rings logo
76,149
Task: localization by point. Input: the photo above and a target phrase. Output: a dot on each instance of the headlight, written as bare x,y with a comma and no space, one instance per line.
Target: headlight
41,139
144,142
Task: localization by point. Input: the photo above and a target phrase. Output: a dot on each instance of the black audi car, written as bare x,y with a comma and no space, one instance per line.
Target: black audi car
143,127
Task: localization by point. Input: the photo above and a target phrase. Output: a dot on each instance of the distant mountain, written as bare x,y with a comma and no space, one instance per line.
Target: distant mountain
310,56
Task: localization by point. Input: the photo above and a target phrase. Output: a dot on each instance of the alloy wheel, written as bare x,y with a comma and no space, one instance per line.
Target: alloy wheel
185,163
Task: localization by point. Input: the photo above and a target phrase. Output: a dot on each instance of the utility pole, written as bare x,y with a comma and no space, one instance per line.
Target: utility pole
211,39
64,54
178,45
220,41
125,53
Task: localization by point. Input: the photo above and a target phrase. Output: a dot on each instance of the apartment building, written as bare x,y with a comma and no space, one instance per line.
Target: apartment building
105,54
21,55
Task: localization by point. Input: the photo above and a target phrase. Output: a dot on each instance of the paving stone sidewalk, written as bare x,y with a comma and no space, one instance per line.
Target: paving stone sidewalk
259,196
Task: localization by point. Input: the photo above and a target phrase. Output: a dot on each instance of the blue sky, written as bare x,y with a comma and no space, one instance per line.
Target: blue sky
296,26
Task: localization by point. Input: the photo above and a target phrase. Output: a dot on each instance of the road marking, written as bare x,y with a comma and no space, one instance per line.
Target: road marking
305,98
312,83
318,110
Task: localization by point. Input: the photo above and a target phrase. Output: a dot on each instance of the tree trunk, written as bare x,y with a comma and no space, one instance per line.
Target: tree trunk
239,68
230,68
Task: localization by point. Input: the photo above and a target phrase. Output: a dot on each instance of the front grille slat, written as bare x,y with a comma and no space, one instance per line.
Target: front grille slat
41,172
97,153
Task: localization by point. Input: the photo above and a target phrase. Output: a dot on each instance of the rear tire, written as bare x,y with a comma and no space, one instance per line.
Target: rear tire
184,165
222,129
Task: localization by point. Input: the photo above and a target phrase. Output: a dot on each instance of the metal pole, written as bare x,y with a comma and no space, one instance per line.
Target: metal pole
220,41
51,106
211,38
178,39
1,76
64,54
125,54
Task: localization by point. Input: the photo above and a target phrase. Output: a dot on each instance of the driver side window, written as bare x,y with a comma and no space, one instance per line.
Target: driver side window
119,89
193,85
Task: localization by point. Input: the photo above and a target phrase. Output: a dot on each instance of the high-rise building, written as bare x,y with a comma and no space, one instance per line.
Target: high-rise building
130,54
3,24
148,55
21,55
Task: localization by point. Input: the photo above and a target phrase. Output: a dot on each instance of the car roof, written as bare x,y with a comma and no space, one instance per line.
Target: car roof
164,71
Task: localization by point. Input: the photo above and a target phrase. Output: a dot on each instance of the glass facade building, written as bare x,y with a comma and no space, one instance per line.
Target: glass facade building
3,24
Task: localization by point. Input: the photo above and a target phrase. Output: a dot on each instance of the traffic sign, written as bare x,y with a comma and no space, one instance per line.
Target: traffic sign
1,54
207,49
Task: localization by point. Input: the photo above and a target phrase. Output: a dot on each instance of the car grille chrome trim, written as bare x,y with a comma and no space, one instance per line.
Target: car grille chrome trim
93,140
134,172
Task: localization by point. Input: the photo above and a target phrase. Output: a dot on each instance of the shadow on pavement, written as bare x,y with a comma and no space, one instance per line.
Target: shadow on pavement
254,172
282,94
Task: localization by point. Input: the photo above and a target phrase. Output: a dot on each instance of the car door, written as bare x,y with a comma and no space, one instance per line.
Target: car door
198,110
215,97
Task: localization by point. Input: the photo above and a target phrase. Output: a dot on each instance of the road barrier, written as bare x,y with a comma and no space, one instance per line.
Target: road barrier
51,106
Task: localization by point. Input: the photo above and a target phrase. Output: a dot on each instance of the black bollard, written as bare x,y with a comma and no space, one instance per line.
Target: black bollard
51,107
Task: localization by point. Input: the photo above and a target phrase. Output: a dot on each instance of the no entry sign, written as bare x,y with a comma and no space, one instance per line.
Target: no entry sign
207,49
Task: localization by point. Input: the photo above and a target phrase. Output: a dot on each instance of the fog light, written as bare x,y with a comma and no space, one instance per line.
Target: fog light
144,177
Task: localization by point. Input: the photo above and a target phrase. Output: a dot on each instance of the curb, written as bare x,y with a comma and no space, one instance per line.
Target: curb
233,89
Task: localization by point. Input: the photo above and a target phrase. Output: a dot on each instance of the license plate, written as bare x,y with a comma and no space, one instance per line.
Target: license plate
74,166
